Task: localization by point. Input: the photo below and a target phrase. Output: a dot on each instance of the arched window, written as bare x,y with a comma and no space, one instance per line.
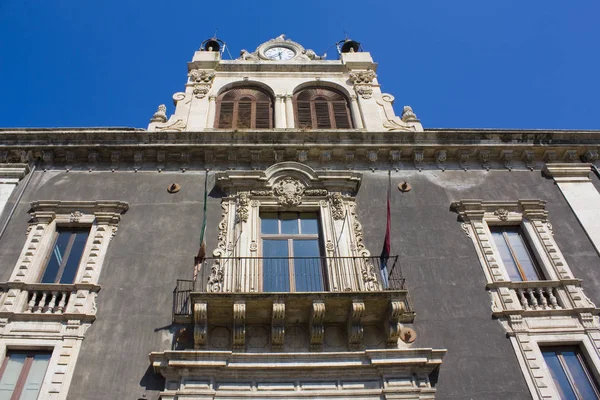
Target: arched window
321,108
244,108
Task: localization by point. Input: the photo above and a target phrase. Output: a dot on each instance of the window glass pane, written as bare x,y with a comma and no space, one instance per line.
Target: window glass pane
56,258
289,223
580,378
558,375
11,374
309,223
307,266
269,223
70,270
519,247
35,378
276,270
507,259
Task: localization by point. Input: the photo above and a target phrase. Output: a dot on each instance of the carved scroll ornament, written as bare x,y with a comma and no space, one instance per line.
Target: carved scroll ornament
289,191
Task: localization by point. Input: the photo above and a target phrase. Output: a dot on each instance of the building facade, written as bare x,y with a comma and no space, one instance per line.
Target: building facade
490,289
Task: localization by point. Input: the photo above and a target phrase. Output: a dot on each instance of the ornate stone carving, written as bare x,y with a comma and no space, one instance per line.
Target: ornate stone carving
367,268
277,325
243,201
393,326
529,159
507,156
484,157
202,75
177,97
463,159
75,216
590,156
337,205
200,325
316,192
502,214
221,249
355,327
395,159
465,227
418,156
160,115
178,125
325,157
261,192
317,314
570,156
201,90
408,115
289,191
359,77
364,91
239,325
393,123
301,155
372,156
215,280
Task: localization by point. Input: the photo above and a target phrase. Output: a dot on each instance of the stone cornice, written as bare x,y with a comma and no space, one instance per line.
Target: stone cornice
432,149
500,211
13,171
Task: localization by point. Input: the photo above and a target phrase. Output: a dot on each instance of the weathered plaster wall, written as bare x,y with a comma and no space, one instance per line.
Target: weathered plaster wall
158,238
445,278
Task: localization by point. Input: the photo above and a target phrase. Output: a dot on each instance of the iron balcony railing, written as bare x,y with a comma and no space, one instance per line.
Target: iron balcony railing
288,274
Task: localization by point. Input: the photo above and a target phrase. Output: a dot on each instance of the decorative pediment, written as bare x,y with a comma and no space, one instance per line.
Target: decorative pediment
299,52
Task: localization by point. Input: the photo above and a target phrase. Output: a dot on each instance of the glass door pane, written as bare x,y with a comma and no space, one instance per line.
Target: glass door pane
276,269
35,378
11,374
307,266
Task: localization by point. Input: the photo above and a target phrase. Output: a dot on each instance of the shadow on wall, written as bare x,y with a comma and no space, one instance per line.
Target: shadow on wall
152,381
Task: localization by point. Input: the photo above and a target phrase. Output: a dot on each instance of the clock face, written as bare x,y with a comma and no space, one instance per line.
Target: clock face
280,53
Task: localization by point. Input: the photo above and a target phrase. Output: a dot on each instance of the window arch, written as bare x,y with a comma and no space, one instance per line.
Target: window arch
322,108
244,108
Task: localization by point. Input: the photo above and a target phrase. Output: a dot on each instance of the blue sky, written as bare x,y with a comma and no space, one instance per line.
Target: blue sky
459,64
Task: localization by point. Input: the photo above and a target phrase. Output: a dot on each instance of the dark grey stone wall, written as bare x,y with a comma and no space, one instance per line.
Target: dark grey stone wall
158,238
444,275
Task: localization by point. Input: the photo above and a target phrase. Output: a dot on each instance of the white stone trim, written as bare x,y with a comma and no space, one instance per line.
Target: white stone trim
576,186
10,175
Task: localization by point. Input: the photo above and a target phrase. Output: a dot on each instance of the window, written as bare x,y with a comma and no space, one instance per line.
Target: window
244,108
65,256
516,254
320,108
291,250
22,375
572,377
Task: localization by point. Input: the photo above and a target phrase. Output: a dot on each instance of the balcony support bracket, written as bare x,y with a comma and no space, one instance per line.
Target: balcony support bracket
392,324
317,314
239,325
355,326
200,325
277,325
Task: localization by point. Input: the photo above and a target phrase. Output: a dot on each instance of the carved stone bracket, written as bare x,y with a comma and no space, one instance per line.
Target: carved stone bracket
277,325
200,325
392,325
363,81
239,325
241,213
355,326
337,205
317,314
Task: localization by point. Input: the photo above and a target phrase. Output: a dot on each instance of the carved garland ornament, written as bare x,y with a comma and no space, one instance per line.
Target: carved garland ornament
367,268
362,81
337,205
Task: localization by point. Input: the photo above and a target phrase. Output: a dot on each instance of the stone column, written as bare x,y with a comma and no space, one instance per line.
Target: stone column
212,108
576,186
289,111
356,112
279,111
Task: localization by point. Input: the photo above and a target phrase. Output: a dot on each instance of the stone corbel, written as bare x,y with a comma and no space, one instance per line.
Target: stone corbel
355,326
200,325
239,325
392,323
317,314
277,325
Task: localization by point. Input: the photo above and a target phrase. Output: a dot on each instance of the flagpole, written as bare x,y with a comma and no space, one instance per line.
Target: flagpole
385,251
202,250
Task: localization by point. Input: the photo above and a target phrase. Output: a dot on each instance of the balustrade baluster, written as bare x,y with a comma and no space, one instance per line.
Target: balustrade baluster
31,303
552,298
41,304
61,303
543,300
50,307
532,299
523,299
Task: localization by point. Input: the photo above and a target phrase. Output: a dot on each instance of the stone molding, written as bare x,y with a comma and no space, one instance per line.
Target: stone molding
13,172
563,172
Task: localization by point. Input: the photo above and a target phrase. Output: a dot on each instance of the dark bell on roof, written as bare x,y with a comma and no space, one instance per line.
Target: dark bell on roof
350,46
212,45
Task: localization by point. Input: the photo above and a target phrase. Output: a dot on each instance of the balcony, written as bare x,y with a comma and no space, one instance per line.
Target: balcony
48,302
537,298
263,297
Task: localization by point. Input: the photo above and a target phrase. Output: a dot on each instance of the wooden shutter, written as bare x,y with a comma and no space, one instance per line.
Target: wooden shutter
341,115
304,115
225,115
263,115
322,114
244,114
